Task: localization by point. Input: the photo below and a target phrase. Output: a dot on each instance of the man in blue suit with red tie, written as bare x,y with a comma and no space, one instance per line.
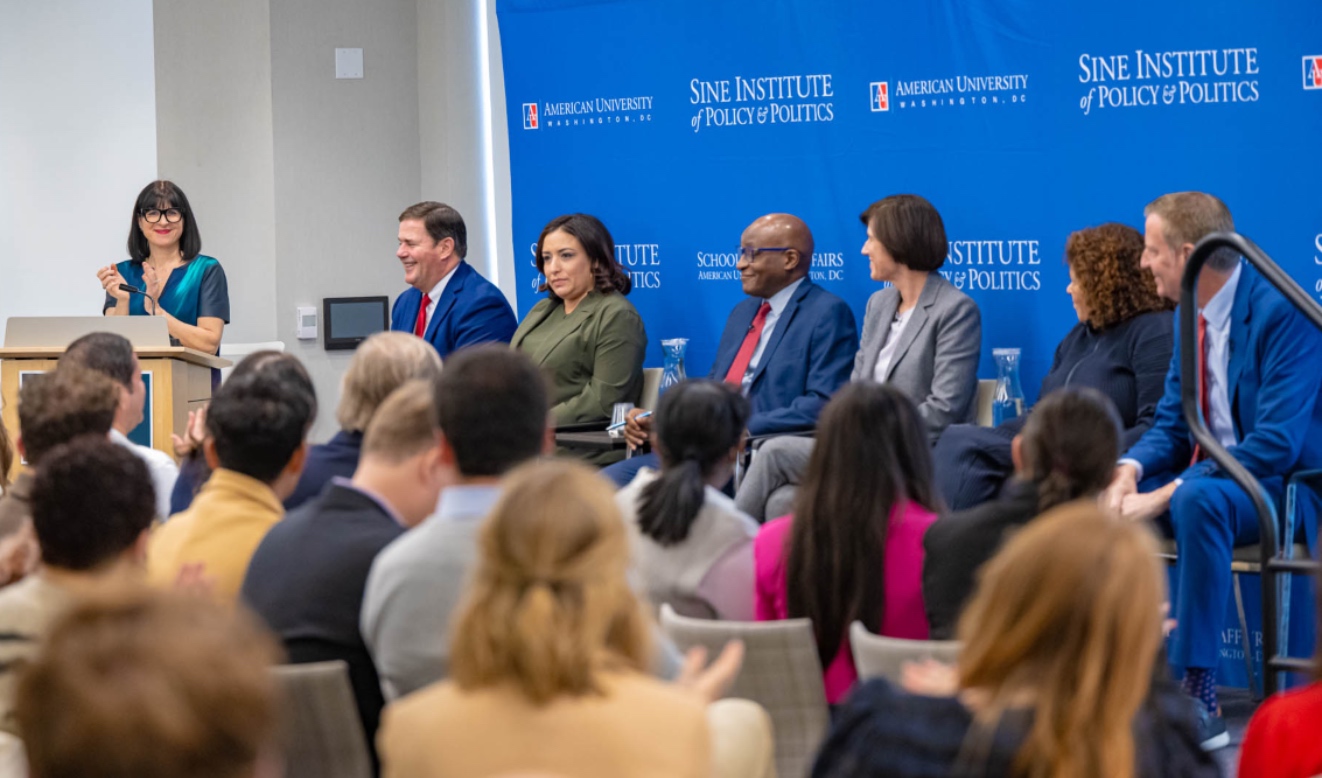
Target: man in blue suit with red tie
448,303
1260,391
790,345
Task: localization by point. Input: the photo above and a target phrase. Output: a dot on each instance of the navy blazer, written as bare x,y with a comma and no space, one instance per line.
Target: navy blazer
337,456
1276,392
471,311
808,357
306,581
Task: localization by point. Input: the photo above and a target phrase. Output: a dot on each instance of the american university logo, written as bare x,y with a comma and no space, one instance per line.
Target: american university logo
530,116
1313,71
880,97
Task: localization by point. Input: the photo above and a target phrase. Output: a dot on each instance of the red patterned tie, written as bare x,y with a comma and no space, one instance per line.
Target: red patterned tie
421,326
1204,400
746,349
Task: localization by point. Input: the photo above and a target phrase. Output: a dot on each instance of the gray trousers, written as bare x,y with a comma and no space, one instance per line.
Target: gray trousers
768,488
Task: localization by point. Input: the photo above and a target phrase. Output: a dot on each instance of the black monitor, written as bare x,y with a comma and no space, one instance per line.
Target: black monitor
351,320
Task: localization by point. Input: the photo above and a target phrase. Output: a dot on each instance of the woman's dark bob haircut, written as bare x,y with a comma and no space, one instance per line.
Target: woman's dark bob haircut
161,195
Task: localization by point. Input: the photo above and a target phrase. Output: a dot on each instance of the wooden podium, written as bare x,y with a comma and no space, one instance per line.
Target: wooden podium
180,377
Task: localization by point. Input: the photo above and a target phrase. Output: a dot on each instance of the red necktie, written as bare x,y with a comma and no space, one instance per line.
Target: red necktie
745,355
421,326
1204,400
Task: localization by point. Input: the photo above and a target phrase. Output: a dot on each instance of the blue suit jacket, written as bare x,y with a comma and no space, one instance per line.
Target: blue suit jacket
1275,380
809,356
471,311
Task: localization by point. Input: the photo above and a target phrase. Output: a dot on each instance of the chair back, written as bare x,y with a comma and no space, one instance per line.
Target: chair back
323,734
876,656
781,672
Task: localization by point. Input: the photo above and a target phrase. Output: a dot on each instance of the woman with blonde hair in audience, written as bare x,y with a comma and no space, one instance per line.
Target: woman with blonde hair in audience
853,548
380,365
549,655
694,548
1059,644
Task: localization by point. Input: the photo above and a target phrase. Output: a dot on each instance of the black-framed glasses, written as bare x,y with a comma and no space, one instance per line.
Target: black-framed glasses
153,215
750,252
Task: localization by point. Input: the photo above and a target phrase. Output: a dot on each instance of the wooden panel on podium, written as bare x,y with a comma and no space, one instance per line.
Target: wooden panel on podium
180,378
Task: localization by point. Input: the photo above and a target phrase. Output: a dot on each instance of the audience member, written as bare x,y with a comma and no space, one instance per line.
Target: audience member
853,549
693,547
307,576
1261,397
1066,451
448,303
788,347
112,356
257,425
193,470
492,406
148,685
1059,644
92,504
585,335
1279,740
380,365
920,334
552,644
1121,347
53,408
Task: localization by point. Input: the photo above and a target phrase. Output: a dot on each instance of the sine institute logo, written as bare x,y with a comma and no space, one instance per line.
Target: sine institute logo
596,111
1145,79
956,91
1313,71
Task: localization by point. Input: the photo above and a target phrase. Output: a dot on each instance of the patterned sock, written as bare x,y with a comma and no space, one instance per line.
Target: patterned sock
1200,683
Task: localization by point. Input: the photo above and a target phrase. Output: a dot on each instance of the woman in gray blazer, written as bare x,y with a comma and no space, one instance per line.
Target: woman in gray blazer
920,334
585,335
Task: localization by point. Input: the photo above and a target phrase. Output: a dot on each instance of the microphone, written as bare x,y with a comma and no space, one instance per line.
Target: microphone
131,289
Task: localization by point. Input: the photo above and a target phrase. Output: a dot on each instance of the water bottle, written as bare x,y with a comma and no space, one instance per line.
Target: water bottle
673,370
1008,401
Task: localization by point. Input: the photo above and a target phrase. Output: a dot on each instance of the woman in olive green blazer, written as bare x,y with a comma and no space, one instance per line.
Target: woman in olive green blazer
585,335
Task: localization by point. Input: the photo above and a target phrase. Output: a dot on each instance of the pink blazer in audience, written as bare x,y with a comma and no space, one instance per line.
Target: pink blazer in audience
904,617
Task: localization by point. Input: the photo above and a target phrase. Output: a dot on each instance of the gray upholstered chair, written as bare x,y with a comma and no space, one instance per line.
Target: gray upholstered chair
323,735
781,672
876,656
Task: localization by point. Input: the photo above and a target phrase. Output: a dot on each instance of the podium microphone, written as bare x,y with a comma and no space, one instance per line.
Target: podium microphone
131,289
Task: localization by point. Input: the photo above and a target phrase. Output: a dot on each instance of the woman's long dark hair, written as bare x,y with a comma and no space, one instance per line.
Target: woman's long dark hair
608,275
871,455
1069,445
697,424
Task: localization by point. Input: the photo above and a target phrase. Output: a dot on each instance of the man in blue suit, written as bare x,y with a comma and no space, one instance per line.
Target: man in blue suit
1261,396
448,304
790,345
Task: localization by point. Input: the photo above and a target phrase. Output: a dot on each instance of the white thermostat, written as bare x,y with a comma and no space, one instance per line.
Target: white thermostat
307,322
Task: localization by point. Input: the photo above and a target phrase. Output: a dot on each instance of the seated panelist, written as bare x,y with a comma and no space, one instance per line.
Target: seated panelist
1120,347
587,338
788,346
448,303
165,263
921,335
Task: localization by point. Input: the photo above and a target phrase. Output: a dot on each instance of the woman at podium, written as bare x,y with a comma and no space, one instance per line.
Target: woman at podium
166,274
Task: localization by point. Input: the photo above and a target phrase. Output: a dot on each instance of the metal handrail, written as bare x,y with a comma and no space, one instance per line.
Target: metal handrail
1272,562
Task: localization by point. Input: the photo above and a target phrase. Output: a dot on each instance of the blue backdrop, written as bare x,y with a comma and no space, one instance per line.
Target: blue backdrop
678,122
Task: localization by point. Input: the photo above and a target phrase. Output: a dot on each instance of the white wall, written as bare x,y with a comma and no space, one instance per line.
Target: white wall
77,143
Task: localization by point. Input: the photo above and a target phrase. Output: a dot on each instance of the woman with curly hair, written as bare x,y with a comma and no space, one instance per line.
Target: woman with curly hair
1120,347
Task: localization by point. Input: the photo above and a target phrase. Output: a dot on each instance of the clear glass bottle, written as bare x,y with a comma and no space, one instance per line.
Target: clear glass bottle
1008,402
673,371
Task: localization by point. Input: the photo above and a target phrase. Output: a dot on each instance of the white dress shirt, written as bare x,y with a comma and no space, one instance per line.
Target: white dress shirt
887,352
778,301
162,468
435,294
